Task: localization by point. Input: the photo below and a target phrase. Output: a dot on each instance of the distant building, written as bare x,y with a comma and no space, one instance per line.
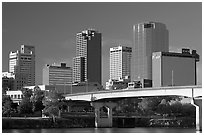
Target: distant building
15,95
120,62
7,81
57,75
70,89
8,74
22,65
142,83
174,69
117,84
148,37
88,46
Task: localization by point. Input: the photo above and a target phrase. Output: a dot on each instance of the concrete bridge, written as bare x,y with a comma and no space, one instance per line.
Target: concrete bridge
98,100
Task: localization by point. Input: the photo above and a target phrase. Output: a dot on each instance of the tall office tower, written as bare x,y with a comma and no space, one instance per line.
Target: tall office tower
88,45
22,65
120,62
78,73
57,75
148,37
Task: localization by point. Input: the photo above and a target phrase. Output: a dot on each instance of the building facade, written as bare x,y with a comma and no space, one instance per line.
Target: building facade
7,81
148,37
88,46
22,65
78,72
120,62
57,75
174,69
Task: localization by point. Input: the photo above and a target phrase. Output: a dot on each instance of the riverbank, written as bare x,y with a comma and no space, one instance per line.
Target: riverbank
89,122
25,123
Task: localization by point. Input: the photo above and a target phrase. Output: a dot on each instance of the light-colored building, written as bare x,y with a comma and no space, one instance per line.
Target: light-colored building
118,83
8,74
88,45
174,69
22,65
120,62
57,75
16,95
148,37
78,72
13,58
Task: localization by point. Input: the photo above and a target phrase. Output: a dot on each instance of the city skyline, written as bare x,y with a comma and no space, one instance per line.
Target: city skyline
52,32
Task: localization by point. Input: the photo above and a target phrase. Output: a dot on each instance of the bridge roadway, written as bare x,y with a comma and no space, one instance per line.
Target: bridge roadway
186,91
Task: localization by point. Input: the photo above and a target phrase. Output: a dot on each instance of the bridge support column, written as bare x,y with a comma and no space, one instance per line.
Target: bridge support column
198,105
101,121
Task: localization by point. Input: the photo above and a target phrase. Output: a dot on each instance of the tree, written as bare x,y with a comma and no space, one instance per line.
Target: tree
25,106
53,104
188,110
6,105
149,105
176,107
36,99
163,107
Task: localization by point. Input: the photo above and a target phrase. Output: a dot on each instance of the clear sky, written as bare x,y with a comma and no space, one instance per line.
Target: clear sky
52,27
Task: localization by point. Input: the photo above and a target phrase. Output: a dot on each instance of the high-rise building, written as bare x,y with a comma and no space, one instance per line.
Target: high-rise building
57,75
88,46
22,65
174,69
78,72
148,37
120,62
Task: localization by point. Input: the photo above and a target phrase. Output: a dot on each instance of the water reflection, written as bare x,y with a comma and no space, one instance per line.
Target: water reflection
104,130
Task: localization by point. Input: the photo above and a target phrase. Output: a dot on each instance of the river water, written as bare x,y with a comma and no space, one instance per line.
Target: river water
104,130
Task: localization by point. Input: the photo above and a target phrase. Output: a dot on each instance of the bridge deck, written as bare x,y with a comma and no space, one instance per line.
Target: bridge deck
188,91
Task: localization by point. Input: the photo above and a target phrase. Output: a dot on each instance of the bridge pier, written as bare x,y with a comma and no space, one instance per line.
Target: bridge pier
197,102
103,121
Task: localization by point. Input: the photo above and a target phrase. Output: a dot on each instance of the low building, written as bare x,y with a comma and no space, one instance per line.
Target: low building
15,95
114,84
174,69
142,83
57,75
70,89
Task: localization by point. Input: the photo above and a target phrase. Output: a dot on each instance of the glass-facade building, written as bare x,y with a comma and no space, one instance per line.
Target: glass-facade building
148,37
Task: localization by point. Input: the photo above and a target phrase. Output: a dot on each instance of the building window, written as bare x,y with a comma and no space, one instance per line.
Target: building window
15,96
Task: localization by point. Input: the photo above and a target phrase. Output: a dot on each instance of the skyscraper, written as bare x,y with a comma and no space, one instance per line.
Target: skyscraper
78,72
88,46
22,65
57,75
120,62
148,37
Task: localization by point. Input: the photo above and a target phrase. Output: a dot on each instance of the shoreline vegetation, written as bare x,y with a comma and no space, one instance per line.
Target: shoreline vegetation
88,122
167,111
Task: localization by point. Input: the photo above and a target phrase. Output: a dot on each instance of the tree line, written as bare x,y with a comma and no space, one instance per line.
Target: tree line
51,103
